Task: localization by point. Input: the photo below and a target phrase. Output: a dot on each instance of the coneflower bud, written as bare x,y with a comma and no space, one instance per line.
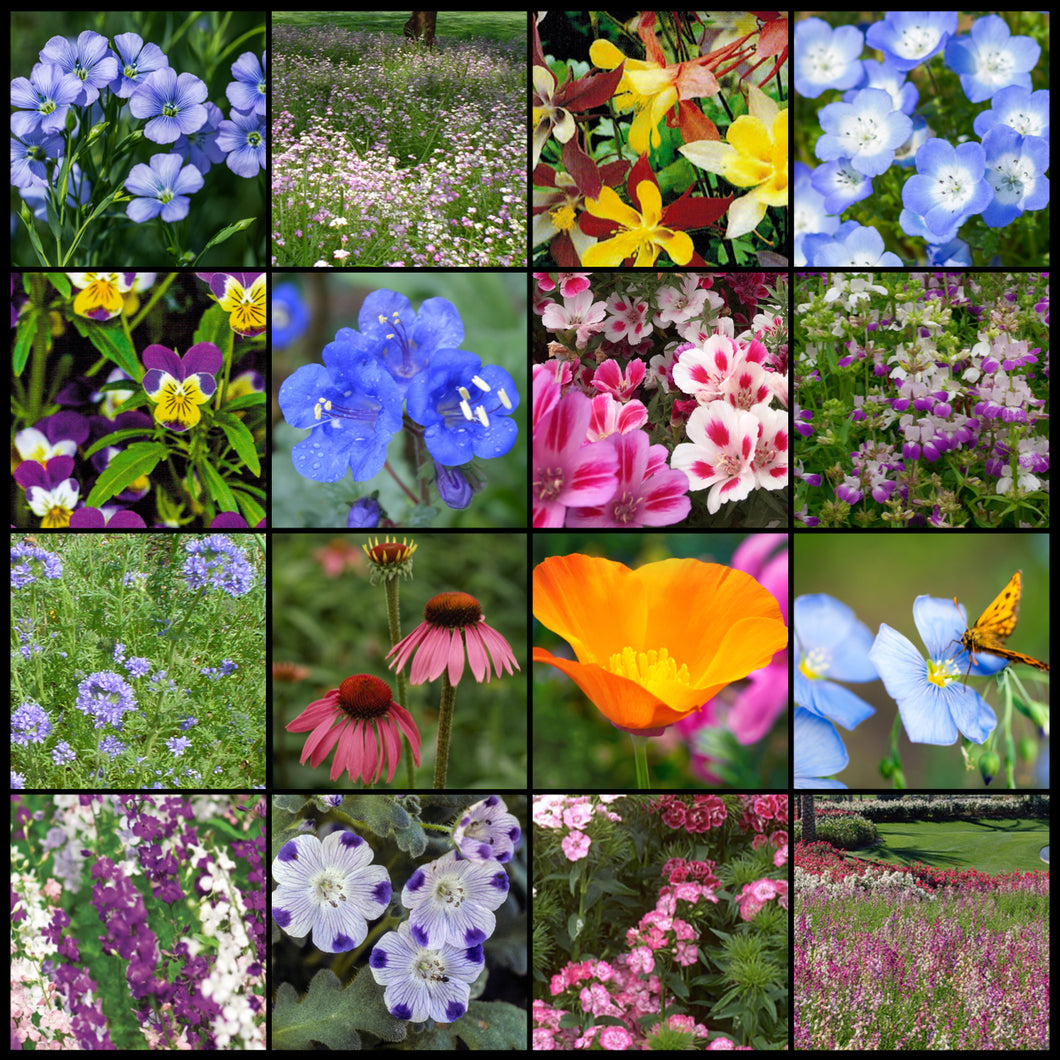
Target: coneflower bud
389,559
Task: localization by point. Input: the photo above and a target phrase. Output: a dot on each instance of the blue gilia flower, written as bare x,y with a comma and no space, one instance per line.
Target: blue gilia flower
217,561
424,982
105,696
329,888
353,408
931,695
466,408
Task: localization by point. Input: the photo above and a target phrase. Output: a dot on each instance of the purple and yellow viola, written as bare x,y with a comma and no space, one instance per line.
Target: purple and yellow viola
179,385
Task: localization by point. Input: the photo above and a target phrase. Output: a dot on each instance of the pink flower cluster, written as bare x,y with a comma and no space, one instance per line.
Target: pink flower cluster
573,812
755,895
705,812
593,465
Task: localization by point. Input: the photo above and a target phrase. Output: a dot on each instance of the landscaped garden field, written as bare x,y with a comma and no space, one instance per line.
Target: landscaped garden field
390,153
937,937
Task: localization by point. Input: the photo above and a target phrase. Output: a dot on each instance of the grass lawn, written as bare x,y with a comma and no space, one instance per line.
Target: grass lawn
989,845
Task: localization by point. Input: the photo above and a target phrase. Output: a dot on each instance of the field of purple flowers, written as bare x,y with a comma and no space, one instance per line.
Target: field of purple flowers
388,154
878,966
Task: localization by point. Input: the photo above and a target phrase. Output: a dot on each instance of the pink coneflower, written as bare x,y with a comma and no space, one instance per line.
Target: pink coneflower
362,706
451,621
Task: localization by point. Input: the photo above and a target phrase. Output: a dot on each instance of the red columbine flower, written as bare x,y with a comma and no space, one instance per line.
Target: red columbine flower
437,642
362,705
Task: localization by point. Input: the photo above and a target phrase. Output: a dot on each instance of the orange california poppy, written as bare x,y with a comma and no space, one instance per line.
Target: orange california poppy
654,644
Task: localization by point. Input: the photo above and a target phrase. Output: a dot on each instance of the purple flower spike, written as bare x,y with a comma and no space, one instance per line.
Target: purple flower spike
174,105
162,189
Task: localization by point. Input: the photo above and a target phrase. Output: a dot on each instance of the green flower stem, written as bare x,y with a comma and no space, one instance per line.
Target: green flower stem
394,619
640,757
445,727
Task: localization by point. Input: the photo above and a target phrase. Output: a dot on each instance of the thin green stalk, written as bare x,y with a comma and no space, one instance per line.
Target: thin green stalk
394,620
640,757
445,728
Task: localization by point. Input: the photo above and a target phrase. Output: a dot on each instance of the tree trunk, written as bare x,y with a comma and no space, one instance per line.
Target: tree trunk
809,822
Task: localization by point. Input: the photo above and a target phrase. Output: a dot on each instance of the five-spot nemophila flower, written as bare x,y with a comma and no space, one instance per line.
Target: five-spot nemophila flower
329,888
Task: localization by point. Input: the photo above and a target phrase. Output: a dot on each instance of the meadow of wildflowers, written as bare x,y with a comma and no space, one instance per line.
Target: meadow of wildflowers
921,400
889,958
660,401
660,923
400,922
137,661
137,922
930,149
388,153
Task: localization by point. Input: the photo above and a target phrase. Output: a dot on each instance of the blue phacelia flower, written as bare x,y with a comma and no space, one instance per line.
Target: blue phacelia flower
352,407
465,407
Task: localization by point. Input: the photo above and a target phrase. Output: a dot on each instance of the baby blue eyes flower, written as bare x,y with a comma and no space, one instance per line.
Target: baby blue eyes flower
174,105
353,409
990,59
932,697
826,57
1015,170
868,130
466,408
161,189
909,38
948,189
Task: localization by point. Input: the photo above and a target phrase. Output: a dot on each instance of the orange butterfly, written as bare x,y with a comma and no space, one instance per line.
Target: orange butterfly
995,625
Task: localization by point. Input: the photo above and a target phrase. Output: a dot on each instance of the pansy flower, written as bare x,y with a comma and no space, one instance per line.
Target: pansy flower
51,492
100,297
178,385
242,295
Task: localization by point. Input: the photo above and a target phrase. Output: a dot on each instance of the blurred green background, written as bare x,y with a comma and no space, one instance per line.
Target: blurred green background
879,575
205,44
574,743
492,307
336,626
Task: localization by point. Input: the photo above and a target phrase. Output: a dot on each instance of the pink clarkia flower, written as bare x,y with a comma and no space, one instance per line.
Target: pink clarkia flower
612,417
611,378
453,624
647,493
579,312
770,462
352,716
720,452
567,471
629,320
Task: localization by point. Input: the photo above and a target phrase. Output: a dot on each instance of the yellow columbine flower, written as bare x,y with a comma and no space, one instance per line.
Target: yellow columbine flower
644,233
646,87
755,157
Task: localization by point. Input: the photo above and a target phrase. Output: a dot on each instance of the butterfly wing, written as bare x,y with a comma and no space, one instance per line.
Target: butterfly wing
996,623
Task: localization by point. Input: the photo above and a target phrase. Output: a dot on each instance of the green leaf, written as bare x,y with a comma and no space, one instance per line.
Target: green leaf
493,1025
59,281
241,440
218,487
227,233
138,460
24,335
25,215
114,344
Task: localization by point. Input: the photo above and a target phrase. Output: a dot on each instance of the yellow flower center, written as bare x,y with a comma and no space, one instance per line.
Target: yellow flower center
563,217
941,673
814,664
648,668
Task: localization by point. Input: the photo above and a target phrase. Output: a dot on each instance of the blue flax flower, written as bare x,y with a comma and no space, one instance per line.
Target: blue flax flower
242,137
174,105
819,751
161,189
353,408
43,100
89,60
932,698
466,408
